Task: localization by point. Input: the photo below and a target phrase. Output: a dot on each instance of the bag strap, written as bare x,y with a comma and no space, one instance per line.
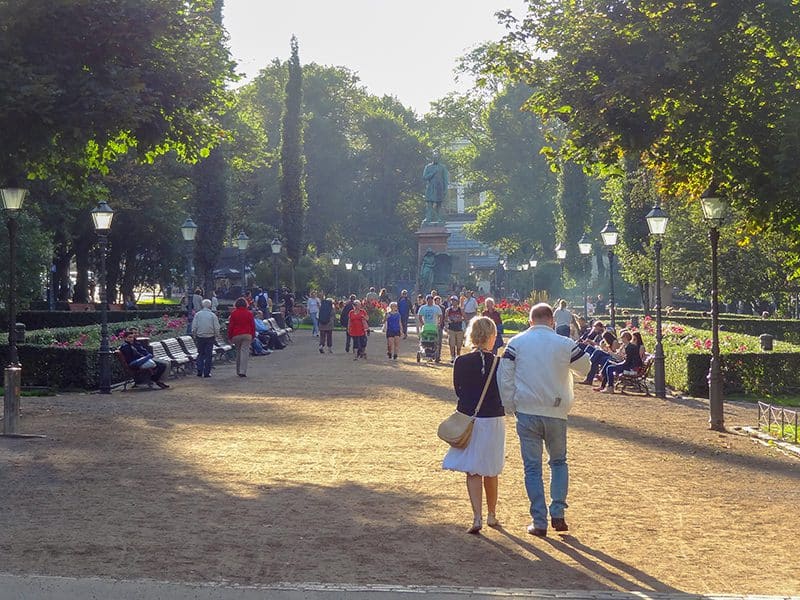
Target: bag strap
485,387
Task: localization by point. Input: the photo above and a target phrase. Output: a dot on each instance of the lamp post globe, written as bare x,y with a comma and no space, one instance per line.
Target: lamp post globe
714,209
189,231
561,255
12,198
242,241
335,260
610,236
585,249
102,216
657,221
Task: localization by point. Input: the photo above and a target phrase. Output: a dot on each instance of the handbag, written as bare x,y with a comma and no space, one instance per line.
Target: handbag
456,429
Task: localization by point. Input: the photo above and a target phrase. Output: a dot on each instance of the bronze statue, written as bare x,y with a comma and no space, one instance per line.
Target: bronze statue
437,180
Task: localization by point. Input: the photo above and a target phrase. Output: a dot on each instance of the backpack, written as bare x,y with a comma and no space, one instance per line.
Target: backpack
325,311
262,302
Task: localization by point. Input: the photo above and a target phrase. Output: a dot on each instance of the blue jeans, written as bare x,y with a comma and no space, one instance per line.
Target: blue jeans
533,430
611,370
563,330
205,355
598,361
314,323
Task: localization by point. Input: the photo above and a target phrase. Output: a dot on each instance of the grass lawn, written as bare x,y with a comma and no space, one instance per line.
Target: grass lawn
778,399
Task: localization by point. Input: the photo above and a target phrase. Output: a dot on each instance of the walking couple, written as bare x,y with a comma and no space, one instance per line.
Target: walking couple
532,380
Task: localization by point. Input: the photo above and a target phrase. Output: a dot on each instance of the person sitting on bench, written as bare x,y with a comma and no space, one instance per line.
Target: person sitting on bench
139,359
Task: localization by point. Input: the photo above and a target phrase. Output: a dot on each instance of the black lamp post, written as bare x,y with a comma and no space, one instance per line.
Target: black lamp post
12,202
657,221
610,235
585,248
348,265
714,207
189,231
335,259
242,241
102,215
533,262
276,246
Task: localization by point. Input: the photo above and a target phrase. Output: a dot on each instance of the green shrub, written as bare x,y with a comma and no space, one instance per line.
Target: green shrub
43,319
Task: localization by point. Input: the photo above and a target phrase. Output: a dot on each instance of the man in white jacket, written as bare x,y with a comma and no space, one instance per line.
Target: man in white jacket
535,377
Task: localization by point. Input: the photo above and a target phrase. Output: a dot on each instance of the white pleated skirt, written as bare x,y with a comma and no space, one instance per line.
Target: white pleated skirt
485,454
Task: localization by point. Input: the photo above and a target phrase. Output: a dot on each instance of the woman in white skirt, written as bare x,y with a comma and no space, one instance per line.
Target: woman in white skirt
483,458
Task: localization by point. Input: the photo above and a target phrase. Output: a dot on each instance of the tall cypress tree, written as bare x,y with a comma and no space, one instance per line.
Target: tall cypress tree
293,193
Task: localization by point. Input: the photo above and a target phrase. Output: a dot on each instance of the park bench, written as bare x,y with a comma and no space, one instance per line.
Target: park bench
635,380
133,377
188,345
177,366
174,349
223,350
284,334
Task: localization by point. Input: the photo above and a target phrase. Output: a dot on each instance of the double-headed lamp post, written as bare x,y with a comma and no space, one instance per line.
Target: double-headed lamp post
610,236
335,259
102,215
242,241
12,202
189,231
657,221
533,262
276,246
714,208
585,248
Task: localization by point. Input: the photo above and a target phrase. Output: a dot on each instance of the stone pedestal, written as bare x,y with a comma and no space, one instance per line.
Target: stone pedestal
432,237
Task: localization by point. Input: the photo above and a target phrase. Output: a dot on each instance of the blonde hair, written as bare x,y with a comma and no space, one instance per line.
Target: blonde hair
479,332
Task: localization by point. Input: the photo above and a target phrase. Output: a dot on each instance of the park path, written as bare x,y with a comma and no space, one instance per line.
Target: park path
318,468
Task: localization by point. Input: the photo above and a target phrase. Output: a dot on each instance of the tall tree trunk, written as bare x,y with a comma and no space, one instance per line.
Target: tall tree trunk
82,247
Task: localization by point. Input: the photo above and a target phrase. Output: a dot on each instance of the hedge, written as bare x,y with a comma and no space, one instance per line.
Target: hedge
61,368
749,373
43,319
781,329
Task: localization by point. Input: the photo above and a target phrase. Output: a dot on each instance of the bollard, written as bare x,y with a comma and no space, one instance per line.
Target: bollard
765,339
13,382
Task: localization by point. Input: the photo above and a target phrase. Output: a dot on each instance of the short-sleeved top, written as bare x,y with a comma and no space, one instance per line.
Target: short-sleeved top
312,305
355,323
393,324
430,314
633,359
455,318
562,316
468,382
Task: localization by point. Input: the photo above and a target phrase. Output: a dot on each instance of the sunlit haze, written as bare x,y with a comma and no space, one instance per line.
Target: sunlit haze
406,49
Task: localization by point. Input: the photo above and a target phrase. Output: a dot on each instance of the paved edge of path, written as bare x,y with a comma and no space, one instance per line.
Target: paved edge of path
44,587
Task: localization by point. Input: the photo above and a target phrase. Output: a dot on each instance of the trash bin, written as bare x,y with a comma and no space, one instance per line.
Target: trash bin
19,333
766,341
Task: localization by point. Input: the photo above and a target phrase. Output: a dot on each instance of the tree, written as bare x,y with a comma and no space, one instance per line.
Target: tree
293,194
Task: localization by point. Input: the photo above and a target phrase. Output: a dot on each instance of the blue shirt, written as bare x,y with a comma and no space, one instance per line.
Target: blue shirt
393,324
430,314
404,306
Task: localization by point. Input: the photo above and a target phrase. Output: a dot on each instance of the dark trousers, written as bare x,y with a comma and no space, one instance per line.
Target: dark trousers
359,344
205,355
325,338
157,371
598,361
404,323
348,341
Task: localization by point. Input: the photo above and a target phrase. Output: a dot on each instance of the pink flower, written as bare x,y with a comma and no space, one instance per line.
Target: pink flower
742,348
698,344
707,344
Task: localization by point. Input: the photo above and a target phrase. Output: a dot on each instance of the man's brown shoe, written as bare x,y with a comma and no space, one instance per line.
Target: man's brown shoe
559,524
536,531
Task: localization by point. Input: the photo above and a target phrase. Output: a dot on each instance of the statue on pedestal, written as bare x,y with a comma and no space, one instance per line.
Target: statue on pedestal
437,180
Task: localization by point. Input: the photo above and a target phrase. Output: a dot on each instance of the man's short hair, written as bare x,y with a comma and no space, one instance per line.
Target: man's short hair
206,303
541,312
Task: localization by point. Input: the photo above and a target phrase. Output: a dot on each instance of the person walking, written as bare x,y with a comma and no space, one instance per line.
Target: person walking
241,330
327,317
344,320
495,316
393,328
404,308
205,330
358,328
455,328
470,307
312,306
484,456
535,380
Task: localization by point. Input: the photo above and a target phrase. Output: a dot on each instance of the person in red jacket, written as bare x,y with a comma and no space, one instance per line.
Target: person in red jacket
241,331
358,328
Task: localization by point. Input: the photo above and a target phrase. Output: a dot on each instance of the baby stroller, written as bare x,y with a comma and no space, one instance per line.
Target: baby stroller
428,343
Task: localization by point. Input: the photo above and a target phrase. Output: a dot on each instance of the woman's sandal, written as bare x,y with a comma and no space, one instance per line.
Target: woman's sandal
476,526
492,521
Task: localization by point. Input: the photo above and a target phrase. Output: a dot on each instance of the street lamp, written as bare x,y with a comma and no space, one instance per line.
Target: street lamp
335,259
348,265
189,231
276,246
561,254
657,221
243,241
714,207
102,215
610,235
585,248
12,202
533,262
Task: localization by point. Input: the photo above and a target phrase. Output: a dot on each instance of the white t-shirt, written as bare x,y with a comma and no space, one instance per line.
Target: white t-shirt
312,304
562,316
471,305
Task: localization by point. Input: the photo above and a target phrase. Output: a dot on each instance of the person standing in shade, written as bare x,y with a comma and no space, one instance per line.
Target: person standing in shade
404,308
535,379
241,331
327,318
563,319
470,307
455,328
205,330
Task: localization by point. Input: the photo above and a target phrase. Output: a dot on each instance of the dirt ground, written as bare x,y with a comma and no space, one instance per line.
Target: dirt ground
316,468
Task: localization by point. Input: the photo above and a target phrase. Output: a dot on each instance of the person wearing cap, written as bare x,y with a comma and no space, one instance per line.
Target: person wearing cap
454,317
